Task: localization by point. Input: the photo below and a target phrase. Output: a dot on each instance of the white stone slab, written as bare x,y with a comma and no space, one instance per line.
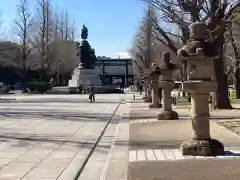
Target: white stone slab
177,154
160,156
141,155
132,156
150,155
168,154
173,155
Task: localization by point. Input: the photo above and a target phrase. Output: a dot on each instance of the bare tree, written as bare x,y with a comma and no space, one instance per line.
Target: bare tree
149,44
143,44
67,33
72,29
63,28
63,42
44,30
232,52
215,13
1,22
22,27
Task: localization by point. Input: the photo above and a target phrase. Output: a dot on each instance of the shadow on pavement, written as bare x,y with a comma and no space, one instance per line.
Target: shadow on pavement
27,141
229,153
59,115
54,100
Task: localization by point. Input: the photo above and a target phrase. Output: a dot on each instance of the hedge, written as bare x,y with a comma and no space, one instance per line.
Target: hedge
39,87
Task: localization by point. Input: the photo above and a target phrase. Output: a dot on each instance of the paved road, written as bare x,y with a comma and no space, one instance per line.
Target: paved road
47,137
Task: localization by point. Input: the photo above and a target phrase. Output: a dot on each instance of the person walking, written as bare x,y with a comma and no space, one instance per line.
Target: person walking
92,95
140,88
80,89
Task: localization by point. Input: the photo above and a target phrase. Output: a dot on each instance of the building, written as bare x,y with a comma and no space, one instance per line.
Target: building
115,71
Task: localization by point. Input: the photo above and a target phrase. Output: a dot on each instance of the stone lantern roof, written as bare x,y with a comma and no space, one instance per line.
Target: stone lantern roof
190,49
154,69
197,43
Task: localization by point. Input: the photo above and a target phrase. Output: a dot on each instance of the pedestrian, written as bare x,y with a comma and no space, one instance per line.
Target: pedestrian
141,89
80,89
92,95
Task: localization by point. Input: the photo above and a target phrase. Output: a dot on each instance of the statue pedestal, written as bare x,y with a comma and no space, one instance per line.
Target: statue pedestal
84,77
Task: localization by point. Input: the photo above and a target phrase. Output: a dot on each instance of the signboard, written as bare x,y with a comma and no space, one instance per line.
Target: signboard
116,80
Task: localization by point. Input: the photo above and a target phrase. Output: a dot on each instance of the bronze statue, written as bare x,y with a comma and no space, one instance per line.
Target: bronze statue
84,34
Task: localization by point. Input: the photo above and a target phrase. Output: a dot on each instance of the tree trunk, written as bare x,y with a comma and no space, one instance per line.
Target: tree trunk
221,99
189,97
237,84
237,81
183,94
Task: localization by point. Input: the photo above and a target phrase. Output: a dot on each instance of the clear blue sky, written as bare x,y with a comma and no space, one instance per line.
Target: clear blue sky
112,24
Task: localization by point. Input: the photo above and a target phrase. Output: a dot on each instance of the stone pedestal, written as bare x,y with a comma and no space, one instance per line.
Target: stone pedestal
167,112
201,143
145,92
84,77
155,98
149,94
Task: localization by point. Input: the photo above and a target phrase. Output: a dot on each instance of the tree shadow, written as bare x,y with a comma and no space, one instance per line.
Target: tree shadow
59,100
223,118
59,115
24,141
133,145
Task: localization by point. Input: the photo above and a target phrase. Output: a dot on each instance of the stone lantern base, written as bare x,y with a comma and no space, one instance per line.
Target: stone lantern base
209,147
168,115
155,105
147,100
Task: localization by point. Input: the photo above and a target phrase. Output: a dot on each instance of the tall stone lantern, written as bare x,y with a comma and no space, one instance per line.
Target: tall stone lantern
167,84
154,74
147,86
198,56
144,83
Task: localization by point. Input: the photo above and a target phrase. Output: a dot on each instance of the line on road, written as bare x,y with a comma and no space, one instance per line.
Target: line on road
95,144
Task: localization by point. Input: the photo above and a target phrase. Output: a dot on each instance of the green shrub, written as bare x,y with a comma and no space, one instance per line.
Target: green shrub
232,94
39,87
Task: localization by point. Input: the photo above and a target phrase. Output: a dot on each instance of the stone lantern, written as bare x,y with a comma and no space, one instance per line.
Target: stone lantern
147,87
198,56
154,74
144,83
167,84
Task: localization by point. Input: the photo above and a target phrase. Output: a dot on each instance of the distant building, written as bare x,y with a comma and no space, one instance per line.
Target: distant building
115,71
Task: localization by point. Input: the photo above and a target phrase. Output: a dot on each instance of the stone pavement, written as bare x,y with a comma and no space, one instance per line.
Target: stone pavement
159,157
47,137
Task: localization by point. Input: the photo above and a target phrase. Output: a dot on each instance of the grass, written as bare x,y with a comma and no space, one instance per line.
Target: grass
182,101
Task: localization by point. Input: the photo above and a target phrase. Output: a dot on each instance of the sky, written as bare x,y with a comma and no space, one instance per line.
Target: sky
112,24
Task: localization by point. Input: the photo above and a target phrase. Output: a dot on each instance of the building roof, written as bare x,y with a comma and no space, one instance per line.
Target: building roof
113,60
